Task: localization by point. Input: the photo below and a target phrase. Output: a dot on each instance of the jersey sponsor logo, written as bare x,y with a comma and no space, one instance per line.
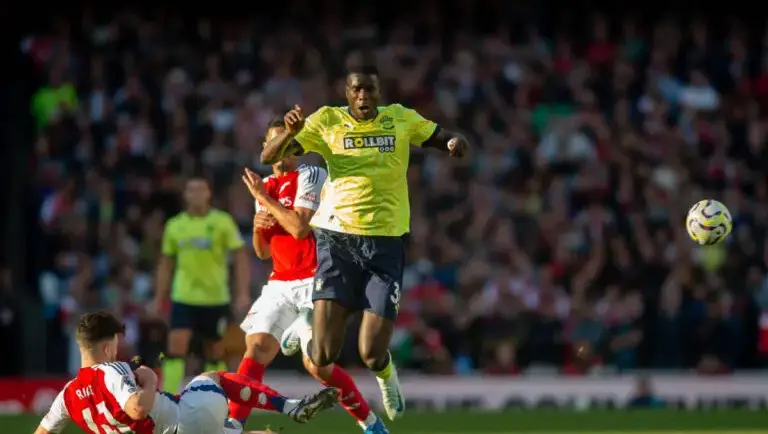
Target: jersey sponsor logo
282,187
286,201
383,143
198,243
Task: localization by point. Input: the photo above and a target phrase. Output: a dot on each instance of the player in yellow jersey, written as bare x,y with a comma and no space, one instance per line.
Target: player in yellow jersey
363,215
194,268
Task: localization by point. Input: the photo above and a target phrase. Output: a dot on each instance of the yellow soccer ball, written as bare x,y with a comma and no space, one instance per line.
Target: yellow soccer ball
708,222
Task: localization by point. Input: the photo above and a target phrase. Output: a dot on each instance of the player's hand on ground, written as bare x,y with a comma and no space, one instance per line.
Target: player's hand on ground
263,220
294,119
458,146
254,182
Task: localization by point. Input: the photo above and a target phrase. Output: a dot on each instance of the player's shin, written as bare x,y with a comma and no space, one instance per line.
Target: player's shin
250,368
350,397
215,365
253,394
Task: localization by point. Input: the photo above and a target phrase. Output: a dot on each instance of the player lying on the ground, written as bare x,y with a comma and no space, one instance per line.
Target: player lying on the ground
361,220
285,202
107,397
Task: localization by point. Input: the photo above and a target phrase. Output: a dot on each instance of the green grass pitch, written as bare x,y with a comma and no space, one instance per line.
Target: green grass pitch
534,421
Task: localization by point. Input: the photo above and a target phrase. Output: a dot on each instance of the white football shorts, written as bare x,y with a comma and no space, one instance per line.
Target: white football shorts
203,407
278,307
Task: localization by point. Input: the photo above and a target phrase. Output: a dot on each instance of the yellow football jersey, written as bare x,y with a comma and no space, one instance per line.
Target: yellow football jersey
200,245
366,192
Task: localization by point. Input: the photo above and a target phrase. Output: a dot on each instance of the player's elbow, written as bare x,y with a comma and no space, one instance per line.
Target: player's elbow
301,231
41,430
136,409
138,412
263,254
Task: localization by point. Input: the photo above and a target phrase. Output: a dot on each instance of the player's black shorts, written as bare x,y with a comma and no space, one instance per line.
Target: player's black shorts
361,272
209,322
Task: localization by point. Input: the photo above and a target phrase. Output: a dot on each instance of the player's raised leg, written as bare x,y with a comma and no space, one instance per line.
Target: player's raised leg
203,403
382,293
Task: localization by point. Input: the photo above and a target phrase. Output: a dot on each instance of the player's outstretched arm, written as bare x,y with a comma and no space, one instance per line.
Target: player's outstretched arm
448,141
283,145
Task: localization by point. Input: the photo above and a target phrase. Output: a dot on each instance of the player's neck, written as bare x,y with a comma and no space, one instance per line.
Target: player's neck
87,360
198,212
364,116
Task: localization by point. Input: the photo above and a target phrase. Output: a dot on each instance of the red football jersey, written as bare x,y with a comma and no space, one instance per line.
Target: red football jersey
95,400
293,259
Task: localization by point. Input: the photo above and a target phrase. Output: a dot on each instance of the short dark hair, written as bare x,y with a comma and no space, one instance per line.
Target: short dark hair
276,123
96,327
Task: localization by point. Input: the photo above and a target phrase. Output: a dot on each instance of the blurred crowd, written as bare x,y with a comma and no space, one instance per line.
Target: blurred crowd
559,244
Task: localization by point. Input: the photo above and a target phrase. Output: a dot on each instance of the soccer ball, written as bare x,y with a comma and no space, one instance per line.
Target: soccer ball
708,222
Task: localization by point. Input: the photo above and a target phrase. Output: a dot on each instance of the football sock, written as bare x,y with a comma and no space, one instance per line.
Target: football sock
351,398
174,369
386,371
251,393
215,366
252,369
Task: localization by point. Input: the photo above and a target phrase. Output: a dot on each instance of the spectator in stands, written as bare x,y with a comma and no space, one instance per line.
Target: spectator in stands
560,237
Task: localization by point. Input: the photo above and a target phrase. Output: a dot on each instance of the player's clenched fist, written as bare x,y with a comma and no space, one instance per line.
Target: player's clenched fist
294,119
458,146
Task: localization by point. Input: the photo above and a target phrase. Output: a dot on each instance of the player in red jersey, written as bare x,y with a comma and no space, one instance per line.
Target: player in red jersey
107,397
285,203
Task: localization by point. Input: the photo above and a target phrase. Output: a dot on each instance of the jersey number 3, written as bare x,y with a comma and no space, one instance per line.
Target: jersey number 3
114,426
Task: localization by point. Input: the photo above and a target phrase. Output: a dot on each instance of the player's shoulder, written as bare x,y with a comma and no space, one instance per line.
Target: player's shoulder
327,113
219,216
395,110
115,369
70,383
270,179
176,220
311,173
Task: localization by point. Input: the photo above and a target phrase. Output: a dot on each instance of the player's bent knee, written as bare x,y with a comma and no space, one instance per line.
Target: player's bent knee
322,357
321,373
262,347
373,357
